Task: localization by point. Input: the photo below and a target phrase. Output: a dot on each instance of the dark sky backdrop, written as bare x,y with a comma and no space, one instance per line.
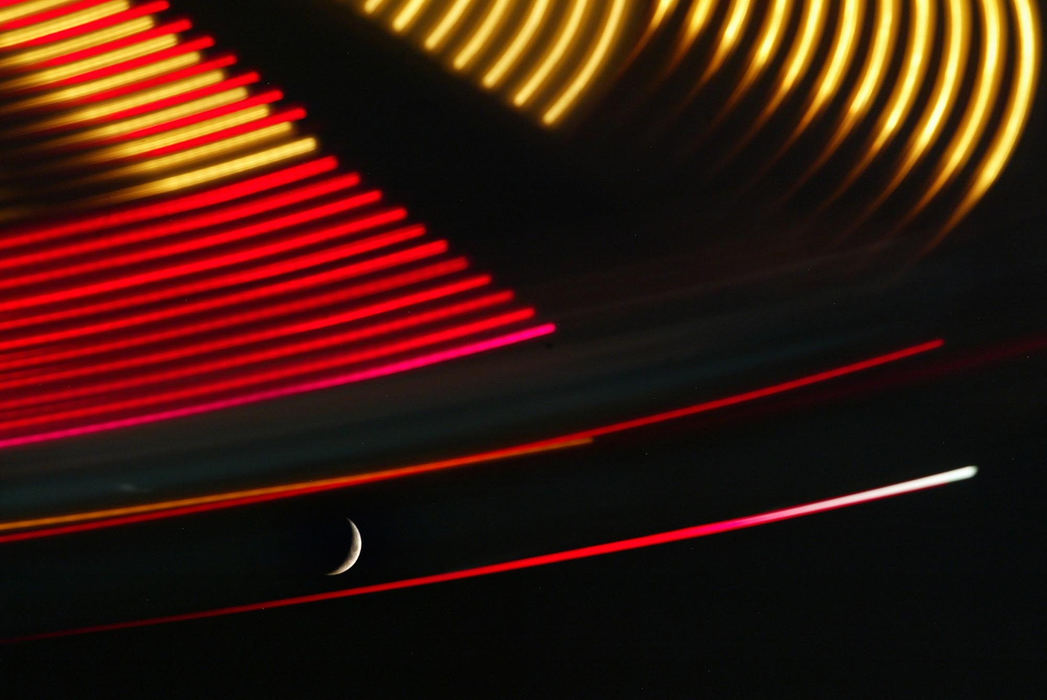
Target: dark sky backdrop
941,590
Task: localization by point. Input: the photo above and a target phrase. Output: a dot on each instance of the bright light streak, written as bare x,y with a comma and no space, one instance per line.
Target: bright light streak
553,56
843,45
766,44
23,35
984,95
449,21
592,64
79,43
943,95
298,388
697,20
737,16
1019,103
24,9
231,499
482,35
407,15
900,103
521,41
653,540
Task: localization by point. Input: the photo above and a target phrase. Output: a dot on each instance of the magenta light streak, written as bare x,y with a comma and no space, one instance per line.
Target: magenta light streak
393,368
687,533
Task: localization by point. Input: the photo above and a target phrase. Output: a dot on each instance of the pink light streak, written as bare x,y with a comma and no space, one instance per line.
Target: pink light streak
687,533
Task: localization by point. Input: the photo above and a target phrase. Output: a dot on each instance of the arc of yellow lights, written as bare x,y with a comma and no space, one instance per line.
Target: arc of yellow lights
869,81
28,57
943,95
24,9
406,16
975,118
104,109
73,19
1016,111
46,76
507,60
902,99
76,92
733,28
828,82
592,64
553,55
218,171
482,35
448,22
767,43
796,63
697,19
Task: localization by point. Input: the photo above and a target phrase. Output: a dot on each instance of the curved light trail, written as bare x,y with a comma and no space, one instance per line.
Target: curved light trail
555,59
653,540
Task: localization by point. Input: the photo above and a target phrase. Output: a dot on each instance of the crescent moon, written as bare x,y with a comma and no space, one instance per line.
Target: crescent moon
354,551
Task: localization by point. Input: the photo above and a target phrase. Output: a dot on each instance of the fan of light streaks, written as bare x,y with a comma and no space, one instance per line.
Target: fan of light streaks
258,268
872,72
661,538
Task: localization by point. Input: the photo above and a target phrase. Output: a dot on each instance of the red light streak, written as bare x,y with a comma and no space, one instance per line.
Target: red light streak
178,205
182,25
235,499
163,228
237,296
108,21
265,395
51,13
326,320
273,269
242,316
196,372
614,547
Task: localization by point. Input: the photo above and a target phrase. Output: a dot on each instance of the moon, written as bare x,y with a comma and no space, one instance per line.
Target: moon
354,551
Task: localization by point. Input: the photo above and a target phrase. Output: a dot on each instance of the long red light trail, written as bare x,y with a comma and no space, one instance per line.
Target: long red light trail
614,547
145,512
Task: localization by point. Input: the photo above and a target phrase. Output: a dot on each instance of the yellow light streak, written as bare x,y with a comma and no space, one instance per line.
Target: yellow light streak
372,5
553,55
589,68
119,104
52,75
295,487
24,9
984,94
482,35
77,92
697,20
901,100
507,60
407,15
828,82
943,95
766,44
235,166
796,62
1016,112
79,43
73,19
737,16
173,136
869,81
183,158
448,22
